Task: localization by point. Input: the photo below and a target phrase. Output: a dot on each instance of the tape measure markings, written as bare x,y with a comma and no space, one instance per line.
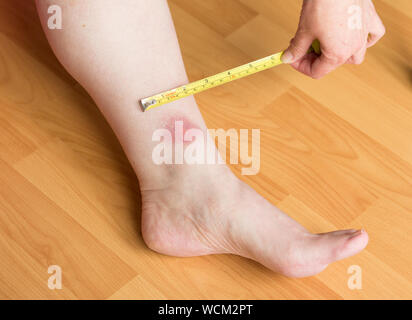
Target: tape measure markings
211,82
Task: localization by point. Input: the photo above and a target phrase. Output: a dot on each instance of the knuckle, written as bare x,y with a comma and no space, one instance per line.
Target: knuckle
359,46
297,48
359,61
340,57
382,30
358,58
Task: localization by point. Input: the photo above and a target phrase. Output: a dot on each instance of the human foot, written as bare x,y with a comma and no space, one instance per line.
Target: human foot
209,211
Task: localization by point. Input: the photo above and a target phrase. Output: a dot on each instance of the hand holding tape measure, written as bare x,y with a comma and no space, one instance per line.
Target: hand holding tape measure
346,28
217,80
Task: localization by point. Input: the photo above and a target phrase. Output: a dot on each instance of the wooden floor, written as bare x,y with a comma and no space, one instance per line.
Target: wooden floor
336,153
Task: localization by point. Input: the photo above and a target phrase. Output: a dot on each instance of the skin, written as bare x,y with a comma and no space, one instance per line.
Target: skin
341,43
187,210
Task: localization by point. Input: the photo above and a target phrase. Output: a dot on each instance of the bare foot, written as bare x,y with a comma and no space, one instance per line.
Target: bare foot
207,210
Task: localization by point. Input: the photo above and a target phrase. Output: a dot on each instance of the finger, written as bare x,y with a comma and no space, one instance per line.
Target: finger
358,57
298,47
322,66
376,32
304,65
318,66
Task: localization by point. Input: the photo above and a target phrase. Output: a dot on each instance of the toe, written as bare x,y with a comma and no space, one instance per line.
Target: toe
316,252
339,245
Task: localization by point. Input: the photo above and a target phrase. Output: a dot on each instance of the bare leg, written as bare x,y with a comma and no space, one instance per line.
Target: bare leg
188,210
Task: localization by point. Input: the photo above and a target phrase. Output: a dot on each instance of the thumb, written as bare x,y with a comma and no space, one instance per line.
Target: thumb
298,47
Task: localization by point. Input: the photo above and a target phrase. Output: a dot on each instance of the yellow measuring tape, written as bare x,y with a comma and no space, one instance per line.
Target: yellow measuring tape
216,80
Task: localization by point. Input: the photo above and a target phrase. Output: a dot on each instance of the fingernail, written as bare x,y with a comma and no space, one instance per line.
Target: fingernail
287,57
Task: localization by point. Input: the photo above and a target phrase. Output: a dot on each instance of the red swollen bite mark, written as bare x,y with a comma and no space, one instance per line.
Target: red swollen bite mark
178,126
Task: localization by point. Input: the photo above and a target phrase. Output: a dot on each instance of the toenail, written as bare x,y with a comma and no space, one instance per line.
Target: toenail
357,233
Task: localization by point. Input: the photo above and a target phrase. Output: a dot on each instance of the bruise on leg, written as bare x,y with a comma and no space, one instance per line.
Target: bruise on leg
178,125
185,138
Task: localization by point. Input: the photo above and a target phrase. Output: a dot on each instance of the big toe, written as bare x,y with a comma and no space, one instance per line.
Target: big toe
317,252
340,245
